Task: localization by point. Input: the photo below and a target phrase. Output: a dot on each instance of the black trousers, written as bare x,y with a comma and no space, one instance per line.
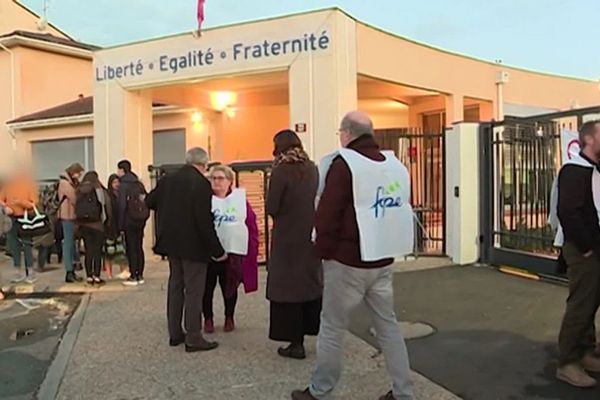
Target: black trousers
134,245
186,290
290,322
217,272
93,240
577,331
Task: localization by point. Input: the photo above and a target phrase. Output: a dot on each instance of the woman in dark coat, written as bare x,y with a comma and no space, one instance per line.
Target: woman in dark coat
295,276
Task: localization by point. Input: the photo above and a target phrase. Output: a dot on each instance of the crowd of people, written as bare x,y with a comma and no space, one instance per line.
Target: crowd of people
324,262
78,218
329,250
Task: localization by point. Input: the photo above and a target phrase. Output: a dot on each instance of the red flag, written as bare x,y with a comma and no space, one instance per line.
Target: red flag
200,14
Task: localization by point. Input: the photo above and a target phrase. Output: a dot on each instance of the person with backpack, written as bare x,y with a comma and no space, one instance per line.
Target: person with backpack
66,215
133,214
93,212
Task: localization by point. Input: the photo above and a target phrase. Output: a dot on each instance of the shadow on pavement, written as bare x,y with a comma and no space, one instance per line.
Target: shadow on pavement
496,334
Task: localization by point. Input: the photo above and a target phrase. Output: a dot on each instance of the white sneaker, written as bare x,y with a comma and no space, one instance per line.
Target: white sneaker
31,279
18,277
131,282
141,281
123,275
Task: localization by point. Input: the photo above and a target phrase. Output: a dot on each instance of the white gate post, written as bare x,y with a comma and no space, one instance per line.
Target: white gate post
462,193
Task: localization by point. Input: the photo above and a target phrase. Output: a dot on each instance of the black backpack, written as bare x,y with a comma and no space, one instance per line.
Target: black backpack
137,210
88,208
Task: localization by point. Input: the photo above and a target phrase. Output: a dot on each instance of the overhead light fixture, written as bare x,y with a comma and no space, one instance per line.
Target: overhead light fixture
222,100
230,112
197,117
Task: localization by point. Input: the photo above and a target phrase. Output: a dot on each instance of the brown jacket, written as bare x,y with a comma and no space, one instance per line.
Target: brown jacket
68,197
19,195
295,273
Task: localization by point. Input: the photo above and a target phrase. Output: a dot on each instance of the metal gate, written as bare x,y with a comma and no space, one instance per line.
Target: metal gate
520,159
423,154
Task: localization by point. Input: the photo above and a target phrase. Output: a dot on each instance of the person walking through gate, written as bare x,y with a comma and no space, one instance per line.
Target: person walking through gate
363,220
235,223
578,197
186,235
295,276
133,214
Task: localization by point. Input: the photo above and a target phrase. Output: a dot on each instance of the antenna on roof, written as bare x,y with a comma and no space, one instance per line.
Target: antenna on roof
42,24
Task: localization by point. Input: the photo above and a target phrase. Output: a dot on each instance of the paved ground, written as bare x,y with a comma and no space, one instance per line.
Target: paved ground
496,334
121,352
30,331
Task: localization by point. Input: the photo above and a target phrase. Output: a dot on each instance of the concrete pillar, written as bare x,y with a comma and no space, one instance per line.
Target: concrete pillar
462,193
122,130
322,88
454,108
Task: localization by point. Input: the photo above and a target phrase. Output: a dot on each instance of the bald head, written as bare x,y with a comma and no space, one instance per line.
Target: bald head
354,125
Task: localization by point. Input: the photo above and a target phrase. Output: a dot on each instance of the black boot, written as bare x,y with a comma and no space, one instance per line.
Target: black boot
294,350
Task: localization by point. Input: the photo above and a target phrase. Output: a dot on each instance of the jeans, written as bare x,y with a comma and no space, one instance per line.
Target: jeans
43,253
17,247
217,271
345,288
93,241
69,251
134,245
577,333
187,280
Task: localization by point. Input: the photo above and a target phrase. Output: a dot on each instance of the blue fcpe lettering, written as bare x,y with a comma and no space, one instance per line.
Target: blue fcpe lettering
384,201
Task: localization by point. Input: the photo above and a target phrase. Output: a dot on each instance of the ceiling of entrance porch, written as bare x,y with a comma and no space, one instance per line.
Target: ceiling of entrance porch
374,90
250,90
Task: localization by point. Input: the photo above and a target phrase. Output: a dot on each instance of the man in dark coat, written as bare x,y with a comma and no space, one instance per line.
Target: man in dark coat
132,228
578,206
187,236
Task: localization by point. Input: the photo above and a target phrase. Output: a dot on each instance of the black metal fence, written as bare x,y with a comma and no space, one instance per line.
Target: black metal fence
423,153
520,160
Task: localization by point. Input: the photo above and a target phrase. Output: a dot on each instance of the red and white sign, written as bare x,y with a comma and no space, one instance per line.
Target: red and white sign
569,143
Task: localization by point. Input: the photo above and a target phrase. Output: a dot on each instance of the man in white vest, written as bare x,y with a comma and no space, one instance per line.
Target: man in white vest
577,198
363,221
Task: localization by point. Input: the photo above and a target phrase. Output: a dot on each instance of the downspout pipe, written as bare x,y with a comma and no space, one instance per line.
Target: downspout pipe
13,111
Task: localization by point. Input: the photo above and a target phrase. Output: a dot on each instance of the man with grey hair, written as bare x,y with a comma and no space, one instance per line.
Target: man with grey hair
363,221
186,235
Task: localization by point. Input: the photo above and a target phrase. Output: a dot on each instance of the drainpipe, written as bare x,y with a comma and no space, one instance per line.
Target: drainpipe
501,80
12,91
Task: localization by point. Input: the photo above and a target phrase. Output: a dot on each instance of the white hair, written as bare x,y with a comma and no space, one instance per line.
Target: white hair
196,156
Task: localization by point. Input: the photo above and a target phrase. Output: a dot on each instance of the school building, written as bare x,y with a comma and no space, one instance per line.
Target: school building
234,87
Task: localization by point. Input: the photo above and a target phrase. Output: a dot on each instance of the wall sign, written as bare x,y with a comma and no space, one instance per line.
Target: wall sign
202,56
300,128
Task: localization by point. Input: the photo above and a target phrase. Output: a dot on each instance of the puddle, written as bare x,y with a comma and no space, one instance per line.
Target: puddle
20,334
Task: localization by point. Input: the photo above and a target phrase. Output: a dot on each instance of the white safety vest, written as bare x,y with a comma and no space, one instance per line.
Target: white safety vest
230,222
381,192
553,220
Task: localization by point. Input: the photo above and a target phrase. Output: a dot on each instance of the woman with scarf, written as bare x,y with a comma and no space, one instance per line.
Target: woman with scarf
295,276
235,223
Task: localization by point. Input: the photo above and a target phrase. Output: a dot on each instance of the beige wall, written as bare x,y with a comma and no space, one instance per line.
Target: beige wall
420,66
60,80
14,17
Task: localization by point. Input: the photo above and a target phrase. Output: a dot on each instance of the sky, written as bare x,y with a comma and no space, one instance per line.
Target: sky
556,36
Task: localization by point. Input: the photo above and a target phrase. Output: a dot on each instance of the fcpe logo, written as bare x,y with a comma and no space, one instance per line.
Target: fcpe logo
386,197
226,216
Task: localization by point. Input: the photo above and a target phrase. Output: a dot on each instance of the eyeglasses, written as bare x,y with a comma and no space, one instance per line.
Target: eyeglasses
217,178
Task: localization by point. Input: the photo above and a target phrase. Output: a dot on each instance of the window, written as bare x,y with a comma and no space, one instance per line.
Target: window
169,147
51,158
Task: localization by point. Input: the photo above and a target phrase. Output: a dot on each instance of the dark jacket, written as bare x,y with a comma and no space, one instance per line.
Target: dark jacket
185,227
105,202
576,211
130,185
295,273
337,229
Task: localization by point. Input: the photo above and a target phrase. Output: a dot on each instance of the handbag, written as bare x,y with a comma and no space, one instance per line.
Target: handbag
33,226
